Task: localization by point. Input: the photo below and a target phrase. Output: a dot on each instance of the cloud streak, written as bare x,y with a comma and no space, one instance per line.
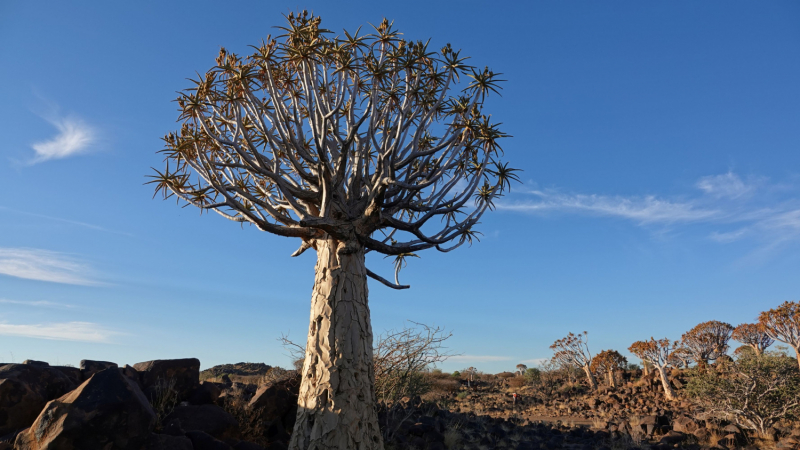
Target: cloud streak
44,265
644,210
739,209
478,358
74,137
66,331
35,303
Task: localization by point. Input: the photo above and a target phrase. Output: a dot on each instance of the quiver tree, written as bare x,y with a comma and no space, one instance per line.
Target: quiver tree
657,353
707,341
353,144
608,362
783,324
681,357
521,368
753,335
573,351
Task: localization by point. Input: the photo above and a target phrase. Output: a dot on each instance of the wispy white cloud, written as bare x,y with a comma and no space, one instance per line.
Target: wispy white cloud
62,220
44,265
36,303
726,185
478,358
74,137
645,210
66,331
535,361
752,209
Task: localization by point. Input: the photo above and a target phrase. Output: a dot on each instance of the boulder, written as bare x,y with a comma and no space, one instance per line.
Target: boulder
25,389
202,441
206,393
73,373
275,401
107,411
210,419
167,442
89,367
184,372
244,445
32,362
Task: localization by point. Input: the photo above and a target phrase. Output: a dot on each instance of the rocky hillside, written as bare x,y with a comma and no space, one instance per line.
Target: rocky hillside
242,368
163,405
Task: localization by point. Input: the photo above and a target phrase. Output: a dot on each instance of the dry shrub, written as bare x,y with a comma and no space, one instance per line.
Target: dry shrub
505,375
164,399
516,382
448,385
402,357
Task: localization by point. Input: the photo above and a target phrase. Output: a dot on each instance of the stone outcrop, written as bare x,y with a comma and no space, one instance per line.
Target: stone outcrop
107,411
90,367
24,390
184,372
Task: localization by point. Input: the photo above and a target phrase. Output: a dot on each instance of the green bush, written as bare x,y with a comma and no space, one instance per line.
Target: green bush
756,392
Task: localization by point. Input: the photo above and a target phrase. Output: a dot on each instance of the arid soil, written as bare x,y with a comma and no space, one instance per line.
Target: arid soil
158,405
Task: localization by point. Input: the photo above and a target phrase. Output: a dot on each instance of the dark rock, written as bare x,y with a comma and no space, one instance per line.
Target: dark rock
202,441
276,400
89,367
672,437
25,389
32,362
205,394
210,419
167,442
107,411
185,372
244,445
73,373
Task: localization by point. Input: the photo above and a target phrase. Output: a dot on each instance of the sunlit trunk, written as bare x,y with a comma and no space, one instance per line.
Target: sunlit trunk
336,406
590,376
668,391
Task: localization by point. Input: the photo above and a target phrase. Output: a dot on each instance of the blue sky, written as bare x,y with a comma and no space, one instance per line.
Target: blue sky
660,143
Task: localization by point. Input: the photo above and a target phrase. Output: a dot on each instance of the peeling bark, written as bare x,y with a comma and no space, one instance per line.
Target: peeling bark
336,406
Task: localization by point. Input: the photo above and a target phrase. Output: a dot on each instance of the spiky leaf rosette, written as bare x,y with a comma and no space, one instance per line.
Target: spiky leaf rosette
370,139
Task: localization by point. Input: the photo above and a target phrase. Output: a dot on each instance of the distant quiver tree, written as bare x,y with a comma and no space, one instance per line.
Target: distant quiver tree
608,362
352,144
657,353
573,351
707,341
783,324
754,336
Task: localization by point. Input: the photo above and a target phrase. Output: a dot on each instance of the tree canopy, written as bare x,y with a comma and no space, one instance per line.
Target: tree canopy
368,139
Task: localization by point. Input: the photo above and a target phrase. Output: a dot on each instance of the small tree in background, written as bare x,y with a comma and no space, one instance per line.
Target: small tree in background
753,335
521,368
573,350
707,341
470,374
608,362
351,144
681,357
657,353
783,324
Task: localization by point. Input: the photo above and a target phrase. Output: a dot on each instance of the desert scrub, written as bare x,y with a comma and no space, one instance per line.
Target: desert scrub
164,399
755,391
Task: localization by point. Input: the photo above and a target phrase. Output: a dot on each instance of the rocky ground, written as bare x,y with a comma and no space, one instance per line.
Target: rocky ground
160,405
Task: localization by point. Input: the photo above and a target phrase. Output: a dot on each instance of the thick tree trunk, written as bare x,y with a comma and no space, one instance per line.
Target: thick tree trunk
611,381
797,355
590,376
336,409
668,391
